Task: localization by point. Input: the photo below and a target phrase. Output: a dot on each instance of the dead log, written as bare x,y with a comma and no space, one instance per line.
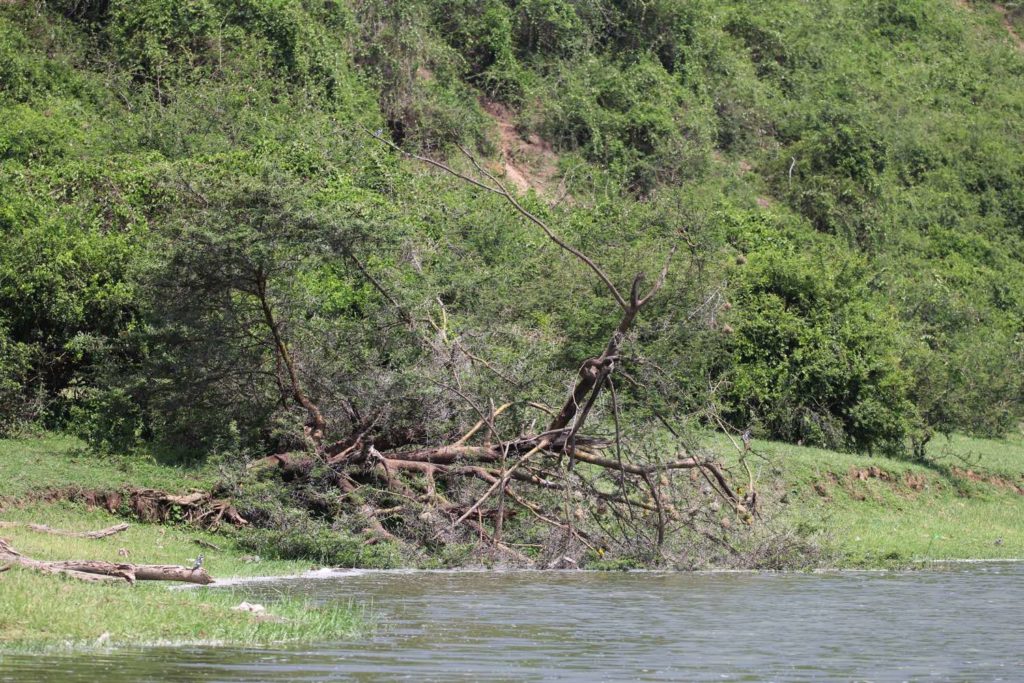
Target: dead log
97,570
645,470
152,505
43,529
148,505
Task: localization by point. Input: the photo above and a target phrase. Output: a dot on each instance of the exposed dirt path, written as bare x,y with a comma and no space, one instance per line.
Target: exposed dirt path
1010,28
528,163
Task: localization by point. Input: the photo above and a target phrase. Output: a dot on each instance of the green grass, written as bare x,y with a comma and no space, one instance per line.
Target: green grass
914,513
40,612
1003,457
55,462
44,612
144,543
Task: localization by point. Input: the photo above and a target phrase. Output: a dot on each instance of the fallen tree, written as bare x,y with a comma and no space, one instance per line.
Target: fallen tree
113,572
403,439
557,475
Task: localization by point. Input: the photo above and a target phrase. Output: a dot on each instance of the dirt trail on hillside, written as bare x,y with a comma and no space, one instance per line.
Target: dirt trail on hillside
528,164
1008,24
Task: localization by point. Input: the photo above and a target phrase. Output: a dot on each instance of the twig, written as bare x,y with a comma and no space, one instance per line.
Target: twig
481,423
502,481
43,529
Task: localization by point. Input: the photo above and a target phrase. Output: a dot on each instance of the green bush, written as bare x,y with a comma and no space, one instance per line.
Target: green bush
19,407
161,40
320,544
874,149
483,35
63,293
815,351
549,27
605,110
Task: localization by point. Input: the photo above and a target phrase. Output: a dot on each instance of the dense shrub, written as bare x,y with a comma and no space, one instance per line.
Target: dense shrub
19,407
320,544
63,292
605,110
815,350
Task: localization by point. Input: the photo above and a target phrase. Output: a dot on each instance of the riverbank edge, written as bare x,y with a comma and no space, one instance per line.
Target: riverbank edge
872,513
42,612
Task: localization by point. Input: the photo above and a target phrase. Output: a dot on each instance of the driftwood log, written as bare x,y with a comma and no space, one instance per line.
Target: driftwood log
95,570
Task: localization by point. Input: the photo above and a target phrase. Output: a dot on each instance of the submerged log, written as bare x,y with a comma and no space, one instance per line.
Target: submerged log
97,570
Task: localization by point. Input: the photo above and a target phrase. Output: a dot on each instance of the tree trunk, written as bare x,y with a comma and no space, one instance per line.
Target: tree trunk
593,372
316,424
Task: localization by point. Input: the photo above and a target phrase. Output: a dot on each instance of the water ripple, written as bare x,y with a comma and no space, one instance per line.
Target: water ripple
954,622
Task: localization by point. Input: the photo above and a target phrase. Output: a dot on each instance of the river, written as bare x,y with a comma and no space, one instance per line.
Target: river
947,623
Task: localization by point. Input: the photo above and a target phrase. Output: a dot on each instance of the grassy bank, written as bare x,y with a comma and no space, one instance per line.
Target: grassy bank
965,503
58,462
43,612
871,511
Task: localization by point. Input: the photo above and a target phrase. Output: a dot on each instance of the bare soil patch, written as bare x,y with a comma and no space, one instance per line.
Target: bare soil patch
147,505
529,163
991,479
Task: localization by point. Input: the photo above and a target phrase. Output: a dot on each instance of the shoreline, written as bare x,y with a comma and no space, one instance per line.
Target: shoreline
327,574
900,516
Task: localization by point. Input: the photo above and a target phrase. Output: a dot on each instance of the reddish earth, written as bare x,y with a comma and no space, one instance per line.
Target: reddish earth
1018,41
998,482
529,163
148,505
909,481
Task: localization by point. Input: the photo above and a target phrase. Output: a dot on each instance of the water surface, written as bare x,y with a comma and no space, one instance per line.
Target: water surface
957,622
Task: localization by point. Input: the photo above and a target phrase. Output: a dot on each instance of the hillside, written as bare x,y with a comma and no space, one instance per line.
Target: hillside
242,228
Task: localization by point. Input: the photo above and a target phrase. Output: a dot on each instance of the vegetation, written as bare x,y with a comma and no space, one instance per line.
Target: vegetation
98,615
91,615
228,234
963,503
57,463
